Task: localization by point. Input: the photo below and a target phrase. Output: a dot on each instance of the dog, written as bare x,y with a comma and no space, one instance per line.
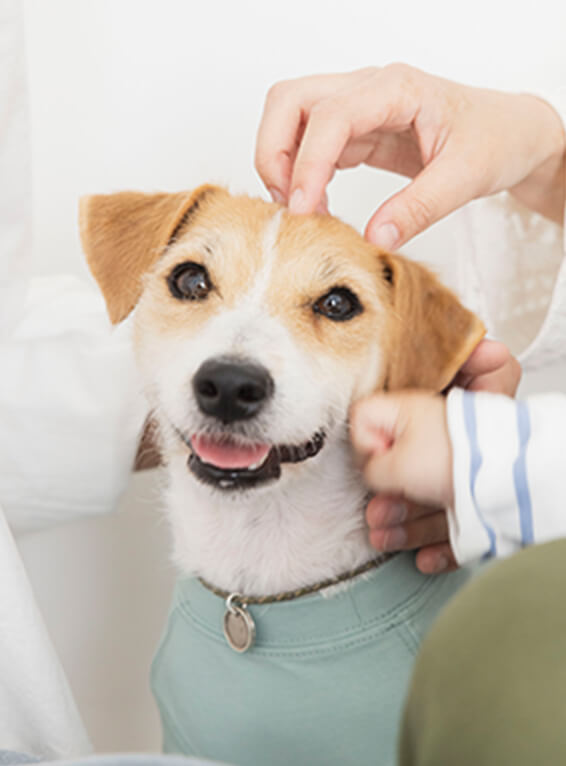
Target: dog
289,639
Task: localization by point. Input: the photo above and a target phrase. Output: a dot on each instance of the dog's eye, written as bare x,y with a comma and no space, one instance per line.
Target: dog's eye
338,304
189,282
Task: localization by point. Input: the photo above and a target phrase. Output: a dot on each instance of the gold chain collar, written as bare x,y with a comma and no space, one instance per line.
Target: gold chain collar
289,595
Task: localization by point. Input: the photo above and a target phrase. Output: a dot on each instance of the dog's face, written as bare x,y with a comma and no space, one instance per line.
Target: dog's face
255,330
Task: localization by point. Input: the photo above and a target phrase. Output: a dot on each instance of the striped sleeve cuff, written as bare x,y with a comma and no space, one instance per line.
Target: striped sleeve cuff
492,513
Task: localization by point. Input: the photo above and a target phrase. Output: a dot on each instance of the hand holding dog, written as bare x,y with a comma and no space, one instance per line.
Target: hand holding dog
402,440
456,142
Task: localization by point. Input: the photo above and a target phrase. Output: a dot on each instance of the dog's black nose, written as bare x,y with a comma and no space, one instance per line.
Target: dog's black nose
230,390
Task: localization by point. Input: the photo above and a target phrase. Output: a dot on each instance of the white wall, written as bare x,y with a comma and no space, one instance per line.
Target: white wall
167,94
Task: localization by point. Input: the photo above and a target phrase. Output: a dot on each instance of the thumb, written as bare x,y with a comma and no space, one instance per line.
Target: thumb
439,189
385,472
377,424
373,424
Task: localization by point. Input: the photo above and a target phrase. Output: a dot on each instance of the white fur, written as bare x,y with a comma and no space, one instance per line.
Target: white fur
302,528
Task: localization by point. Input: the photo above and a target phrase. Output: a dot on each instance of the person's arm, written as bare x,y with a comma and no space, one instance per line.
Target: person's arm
71,410
496,463
508,472
457,143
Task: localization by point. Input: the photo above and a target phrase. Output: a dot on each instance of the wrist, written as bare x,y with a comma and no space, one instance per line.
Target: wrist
544,188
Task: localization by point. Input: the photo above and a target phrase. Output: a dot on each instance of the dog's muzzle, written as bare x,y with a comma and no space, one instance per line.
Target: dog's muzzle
229,390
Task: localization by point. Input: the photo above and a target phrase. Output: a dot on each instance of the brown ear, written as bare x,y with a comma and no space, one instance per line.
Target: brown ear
432,333
124,234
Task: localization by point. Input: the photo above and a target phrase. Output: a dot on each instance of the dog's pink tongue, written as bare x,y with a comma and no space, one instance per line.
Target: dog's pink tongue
225,454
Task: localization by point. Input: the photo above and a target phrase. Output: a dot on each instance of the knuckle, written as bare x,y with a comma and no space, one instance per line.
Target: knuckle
278,91
420,211
367,72
330,117
324,109
401,71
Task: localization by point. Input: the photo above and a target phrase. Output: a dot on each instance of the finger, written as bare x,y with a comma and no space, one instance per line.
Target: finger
372,423
443,186
388,511
491,367
487,356
281,127
436,559
504,381
375,102
428,530
276,146
385,471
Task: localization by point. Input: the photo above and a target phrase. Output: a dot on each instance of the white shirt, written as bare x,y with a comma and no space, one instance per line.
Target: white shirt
69,424
509,465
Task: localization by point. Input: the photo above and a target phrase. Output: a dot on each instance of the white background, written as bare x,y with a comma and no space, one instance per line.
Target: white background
166,94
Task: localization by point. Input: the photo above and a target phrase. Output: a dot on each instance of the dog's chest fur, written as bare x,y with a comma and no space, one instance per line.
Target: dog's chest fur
308,529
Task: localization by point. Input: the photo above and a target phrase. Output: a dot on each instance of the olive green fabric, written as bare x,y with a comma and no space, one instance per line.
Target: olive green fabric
323,685
489,687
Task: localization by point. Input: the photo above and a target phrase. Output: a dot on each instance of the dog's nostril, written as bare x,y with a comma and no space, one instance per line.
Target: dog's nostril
207,388
232,389
251,393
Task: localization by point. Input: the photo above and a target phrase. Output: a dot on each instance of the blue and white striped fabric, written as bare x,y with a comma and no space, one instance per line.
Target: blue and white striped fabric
509,465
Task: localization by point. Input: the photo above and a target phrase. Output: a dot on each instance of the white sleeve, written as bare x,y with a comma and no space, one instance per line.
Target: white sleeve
509,459
70,410
512,272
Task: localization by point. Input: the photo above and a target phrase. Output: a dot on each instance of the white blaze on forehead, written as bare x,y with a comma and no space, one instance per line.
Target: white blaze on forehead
269,253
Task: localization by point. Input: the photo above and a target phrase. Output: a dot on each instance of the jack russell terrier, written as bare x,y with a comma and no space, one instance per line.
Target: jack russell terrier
289,640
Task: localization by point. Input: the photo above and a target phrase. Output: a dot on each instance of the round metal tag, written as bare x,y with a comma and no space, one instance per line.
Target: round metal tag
239,628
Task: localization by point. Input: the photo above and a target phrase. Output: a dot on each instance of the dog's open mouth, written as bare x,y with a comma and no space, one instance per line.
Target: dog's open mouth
228,464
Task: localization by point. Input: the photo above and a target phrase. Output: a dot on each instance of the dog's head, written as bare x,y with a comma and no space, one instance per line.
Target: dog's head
255,329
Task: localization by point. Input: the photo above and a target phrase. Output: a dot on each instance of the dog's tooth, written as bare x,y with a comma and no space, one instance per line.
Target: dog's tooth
258,464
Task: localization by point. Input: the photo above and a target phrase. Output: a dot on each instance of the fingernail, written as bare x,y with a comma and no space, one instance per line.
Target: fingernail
276,195
386,237
440,564
297,202
397,513
394,539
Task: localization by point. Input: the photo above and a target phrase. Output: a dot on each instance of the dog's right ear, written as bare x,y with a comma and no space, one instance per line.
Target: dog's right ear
124,234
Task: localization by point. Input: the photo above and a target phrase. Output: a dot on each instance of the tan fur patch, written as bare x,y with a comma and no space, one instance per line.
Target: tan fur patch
418,328
315,254
226,238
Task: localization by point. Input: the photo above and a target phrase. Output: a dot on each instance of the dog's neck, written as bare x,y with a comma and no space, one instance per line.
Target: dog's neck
303,529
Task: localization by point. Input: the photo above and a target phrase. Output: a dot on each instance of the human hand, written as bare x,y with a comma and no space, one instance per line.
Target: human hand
458,143
402,440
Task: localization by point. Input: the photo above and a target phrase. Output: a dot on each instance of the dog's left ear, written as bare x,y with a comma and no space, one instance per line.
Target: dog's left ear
124,234
432,333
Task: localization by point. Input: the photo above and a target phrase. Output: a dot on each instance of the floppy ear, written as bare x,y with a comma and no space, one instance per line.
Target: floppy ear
432,333
124,234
